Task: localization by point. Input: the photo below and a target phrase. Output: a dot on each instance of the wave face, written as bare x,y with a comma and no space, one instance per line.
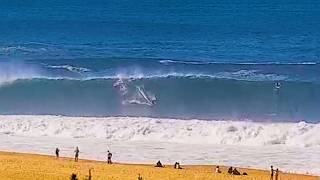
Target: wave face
163,89
164,130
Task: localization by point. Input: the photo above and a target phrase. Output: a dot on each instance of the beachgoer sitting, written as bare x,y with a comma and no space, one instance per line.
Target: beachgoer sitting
177,165
218,169
235,172
159,164
230,170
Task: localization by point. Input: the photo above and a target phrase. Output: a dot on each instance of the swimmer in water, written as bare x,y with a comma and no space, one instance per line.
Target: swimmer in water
277,85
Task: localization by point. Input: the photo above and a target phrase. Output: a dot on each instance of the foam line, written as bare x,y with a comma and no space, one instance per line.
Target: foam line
170,130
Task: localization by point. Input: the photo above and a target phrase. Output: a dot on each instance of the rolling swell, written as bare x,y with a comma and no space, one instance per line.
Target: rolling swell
177,97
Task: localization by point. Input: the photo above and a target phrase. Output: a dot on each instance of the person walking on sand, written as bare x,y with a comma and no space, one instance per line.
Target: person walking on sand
57,152
76,155
109,157
271,172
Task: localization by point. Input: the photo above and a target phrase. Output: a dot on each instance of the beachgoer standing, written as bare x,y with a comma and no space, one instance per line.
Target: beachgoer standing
76,155
73,177
271,173
277,174
57,152
109,157
90,176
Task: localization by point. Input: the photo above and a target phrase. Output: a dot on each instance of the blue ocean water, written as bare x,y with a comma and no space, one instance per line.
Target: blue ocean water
195,59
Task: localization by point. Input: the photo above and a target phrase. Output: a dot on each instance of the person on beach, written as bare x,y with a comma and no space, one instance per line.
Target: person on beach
76,156
177,165
218,169
90,176
73,177
277,174
230,170
109,157
159,164
271,172
57,152
236,172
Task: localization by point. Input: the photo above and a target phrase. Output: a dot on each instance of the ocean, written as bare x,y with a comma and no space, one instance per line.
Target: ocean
229,74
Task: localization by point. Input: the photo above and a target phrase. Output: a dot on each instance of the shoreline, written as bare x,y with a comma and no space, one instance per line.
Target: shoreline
46,166
230,143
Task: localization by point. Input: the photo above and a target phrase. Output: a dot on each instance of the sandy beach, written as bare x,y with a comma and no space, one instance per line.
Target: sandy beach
30,166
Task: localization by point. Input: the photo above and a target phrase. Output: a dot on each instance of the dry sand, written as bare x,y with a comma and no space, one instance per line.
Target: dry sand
18,166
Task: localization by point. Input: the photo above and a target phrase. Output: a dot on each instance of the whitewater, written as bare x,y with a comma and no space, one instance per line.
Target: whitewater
292,147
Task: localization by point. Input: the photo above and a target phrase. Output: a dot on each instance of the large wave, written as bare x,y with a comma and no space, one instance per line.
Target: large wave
83,88
176,97
169,130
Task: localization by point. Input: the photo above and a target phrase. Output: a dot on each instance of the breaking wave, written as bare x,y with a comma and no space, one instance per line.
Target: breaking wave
300,134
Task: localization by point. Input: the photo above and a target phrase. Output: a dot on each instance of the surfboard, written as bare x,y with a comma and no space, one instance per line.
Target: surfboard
144,95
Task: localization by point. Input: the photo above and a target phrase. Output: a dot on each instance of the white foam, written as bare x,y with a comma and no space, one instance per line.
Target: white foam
69,68
289,146
169,130
10,72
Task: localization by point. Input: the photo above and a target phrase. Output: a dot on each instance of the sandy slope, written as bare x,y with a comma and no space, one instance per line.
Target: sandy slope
28,166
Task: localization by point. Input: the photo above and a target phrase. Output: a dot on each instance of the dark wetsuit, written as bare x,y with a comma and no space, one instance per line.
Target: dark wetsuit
109,158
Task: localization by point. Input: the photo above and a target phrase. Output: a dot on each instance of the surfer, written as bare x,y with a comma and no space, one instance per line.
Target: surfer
121,85
277,85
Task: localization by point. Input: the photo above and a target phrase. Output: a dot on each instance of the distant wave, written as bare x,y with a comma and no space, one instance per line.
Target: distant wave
20,49
69,68
185,62
167,62
170,130
246,75
239,75
11,74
